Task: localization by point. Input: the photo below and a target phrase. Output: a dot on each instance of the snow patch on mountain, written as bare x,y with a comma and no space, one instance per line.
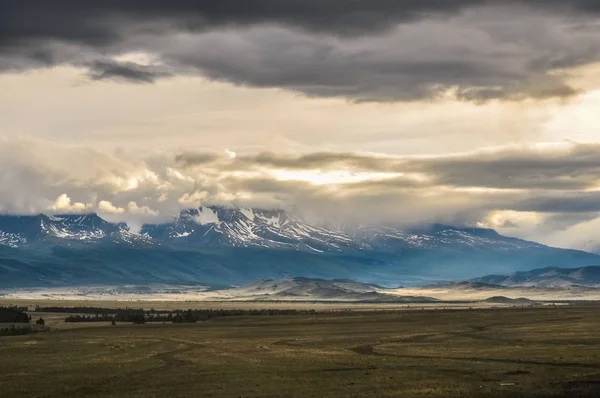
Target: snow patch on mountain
57,228
11,240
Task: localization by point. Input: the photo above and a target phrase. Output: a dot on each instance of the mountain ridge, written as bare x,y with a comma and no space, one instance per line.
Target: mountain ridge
234,245
246,227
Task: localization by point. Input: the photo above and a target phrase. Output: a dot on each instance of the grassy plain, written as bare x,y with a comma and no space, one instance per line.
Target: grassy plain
531,352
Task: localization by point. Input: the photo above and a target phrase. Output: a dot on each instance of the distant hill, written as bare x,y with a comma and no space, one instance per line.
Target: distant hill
506,300
309,289
550,277
465,285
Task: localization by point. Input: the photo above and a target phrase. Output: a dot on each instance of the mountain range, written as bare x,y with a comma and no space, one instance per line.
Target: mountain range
222,245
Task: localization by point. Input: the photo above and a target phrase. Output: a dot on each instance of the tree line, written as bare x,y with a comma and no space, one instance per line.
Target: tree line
14,315
83,310
175,316
19,321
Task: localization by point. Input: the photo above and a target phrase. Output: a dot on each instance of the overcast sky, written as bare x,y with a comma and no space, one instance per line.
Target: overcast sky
467,112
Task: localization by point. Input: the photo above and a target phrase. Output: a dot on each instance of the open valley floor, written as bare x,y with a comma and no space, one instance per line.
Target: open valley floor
494,352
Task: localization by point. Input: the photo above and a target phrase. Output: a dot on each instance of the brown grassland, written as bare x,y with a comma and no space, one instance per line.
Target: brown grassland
529,352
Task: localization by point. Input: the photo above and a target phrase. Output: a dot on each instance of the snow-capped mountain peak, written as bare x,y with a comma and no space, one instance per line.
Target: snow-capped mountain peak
17,231
245,227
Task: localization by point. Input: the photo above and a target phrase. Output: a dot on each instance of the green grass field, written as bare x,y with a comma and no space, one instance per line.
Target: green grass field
461,353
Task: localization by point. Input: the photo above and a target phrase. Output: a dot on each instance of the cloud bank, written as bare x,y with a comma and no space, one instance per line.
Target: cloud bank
375,50
500,188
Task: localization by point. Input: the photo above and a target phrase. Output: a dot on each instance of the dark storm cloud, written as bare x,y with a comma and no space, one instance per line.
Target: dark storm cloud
94,21
363,50
130,71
